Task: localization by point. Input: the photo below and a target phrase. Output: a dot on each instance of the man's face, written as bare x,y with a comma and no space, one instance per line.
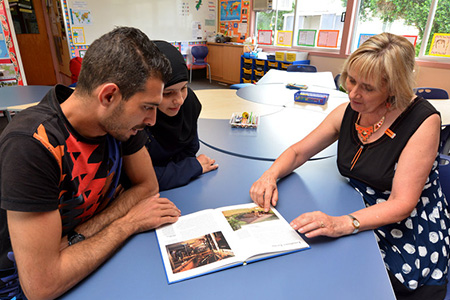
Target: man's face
128,117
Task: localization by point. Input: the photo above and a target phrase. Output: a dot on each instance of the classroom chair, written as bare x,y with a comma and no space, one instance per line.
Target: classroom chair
301,68
75,68
199,54
431,93
337,82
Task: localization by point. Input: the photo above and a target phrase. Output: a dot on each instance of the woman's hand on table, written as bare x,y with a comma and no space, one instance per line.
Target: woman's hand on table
208,164
264,191
317,223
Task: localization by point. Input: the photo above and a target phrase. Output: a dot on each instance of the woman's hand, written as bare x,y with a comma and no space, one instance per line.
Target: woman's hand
207,163
264,191
317,223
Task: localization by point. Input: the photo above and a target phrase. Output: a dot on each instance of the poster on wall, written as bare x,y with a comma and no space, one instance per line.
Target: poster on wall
3,49
328,38
265,37
234,16
230,10
440,45
80,17
10,64
412,39
284,38
78,36
306,37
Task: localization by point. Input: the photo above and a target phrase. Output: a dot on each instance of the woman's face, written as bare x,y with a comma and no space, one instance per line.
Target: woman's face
173,98
364,96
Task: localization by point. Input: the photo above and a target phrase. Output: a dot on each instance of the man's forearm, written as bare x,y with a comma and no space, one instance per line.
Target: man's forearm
124,202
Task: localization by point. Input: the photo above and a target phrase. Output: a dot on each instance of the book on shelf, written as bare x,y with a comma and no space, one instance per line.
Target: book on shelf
214,239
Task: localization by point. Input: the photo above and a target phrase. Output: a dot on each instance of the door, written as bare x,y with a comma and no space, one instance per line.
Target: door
32,38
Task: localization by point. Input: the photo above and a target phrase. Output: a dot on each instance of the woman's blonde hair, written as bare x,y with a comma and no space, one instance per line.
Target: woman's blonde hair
387,60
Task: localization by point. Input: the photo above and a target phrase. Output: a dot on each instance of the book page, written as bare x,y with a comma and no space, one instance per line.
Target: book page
210,240
194,245
260,234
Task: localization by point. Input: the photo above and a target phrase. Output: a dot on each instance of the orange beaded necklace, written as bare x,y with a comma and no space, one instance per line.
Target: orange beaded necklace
366,132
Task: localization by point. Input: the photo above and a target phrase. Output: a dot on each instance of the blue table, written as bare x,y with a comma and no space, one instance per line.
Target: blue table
275,133
12,96
347,268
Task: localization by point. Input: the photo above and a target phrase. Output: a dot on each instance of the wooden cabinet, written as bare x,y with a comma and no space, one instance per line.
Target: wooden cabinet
225,61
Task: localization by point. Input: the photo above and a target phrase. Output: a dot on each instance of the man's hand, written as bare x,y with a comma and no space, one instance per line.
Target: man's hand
151,213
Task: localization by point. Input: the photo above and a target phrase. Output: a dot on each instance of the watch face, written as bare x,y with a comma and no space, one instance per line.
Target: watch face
356,223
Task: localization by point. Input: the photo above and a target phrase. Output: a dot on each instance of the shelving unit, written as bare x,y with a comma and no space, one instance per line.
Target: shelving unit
253,69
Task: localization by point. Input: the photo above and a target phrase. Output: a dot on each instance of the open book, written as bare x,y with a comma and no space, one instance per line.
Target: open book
214,239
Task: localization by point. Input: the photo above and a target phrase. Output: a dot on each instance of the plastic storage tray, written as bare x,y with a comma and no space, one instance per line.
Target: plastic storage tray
244,120
311,97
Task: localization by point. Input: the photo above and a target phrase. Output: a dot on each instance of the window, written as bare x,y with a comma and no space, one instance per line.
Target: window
275,27
423,23
295,23
319,25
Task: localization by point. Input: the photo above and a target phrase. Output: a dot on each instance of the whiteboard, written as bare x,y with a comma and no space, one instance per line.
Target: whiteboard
171,20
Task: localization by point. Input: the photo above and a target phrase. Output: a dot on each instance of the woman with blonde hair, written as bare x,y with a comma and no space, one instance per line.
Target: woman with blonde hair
388,149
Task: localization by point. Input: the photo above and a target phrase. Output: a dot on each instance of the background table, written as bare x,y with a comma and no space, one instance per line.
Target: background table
346,268
278,94
13,98
275,133
443,106
322,79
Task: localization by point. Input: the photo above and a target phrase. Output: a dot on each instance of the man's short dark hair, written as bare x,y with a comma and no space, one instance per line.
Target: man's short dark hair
124,56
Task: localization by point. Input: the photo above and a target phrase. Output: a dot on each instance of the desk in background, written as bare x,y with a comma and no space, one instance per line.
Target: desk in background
277,94
320,79
16,98
275,133
443,106
346,268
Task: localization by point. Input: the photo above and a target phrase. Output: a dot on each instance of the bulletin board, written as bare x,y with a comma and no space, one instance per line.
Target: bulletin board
174,20
9,58
234,18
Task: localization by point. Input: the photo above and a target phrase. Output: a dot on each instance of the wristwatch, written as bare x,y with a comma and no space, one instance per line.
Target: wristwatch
355,224
74,237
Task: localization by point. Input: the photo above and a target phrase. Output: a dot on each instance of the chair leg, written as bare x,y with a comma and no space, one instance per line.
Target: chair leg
209,72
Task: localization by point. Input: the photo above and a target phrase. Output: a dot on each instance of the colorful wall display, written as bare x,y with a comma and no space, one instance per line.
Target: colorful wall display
284,38
440,45
328,38
12,73
265,37
306,37
234,19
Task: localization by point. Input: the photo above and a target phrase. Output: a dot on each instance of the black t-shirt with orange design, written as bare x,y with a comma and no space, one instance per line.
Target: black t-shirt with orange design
46,165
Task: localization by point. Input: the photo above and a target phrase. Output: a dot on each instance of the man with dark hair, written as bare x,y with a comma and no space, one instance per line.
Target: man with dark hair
61,215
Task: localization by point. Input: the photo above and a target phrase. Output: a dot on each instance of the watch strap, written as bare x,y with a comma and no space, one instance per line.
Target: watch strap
74,237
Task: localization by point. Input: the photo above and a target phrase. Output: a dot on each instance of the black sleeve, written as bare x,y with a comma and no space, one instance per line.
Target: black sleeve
134,143
29,176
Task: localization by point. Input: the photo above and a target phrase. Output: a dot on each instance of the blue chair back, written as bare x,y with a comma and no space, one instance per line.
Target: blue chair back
431,93
199,53
301,68
337,82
